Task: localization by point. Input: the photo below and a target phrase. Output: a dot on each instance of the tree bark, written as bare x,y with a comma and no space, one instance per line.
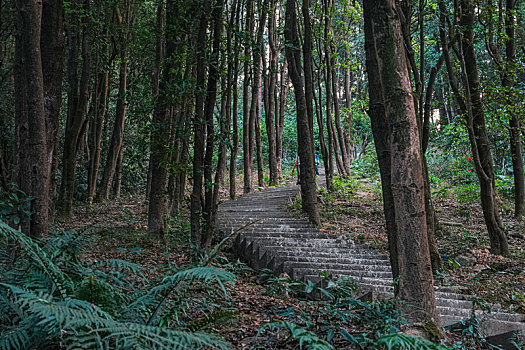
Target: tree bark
117,137
279,118
31,116
52,52
161,124
514,122
155,77
392,105
271,95
304,136
198,129
99,112
255,111
247,131
478,135
78,96
210,206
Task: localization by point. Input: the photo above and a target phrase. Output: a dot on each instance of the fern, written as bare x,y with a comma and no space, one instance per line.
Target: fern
400,341
78,323
39,256
170,283
15,338
303,336
213,318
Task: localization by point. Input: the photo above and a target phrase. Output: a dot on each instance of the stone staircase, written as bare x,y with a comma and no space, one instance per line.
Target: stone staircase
286,244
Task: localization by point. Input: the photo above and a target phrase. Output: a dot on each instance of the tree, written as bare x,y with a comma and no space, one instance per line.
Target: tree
270,94
471,106
506,67
398,147
305,142
161,122
247,129
126,19
422,106
52,53
199,127
31,138
78,96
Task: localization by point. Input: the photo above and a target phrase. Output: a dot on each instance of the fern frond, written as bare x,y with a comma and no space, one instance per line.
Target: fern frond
156,297
300,334
132,335
401,341
213,318
120,265
83,325
15,338
205,274
39,256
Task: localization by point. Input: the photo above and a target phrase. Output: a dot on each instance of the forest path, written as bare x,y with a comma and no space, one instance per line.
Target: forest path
280,241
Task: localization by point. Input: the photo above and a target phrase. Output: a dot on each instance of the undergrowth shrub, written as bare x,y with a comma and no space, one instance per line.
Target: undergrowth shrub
51,298
367,166
332,316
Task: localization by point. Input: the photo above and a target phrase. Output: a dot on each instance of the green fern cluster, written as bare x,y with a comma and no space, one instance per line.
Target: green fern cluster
49,298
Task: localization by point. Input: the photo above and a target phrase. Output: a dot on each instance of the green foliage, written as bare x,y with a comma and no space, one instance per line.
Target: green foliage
367,165
51,298
404,341
300,334
14,205
328,323
344,187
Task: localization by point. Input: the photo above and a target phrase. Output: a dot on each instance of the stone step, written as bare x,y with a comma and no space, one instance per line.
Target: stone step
382,278
298,234
358,263
291,242
338,266
277,226
327,251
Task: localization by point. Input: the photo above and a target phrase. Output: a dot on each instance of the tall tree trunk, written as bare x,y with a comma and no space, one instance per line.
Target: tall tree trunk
392,106
432,222
235,130
117,184
32,117
472,108
161,124
304,136
271,95
247,131
52,51
198,129
99,112
210,207
328,163
78,96
418,74
345,160
155,77
234,117
478,135
514,122
333,146
255,111
120,115
279,118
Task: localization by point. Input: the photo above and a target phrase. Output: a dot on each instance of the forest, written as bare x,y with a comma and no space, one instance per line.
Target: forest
142,140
